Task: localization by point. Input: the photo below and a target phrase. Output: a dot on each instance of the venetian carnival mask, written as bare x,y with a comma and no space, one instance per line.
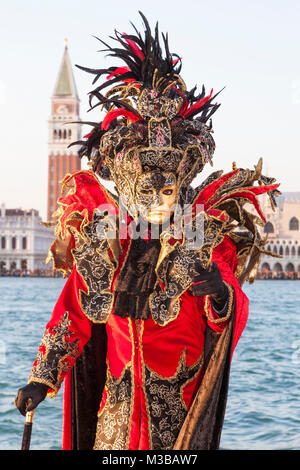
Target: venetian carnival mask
155,196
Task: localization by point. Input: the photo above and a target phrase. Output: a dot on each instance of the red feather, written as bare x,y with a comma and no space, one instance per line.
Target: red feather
129,80
134,47
174,62
186,112
120,71
116,113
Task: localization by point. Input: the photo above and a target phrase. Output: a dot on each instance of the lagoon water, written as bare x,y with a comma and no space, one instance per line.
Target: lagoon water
263,410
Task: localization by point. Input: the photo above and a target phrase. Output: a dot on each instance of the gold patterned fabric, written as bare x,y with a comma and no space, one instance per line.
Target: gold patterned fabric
165,402
52,364
113,424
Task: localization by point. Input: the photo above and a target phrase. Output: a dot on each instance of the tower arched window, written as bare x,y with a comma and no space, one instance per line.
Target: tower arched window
55,134
59,134
294,224
65,134
281,250
287,251
70,133
269,228
3,243
275,249
293,251
298,250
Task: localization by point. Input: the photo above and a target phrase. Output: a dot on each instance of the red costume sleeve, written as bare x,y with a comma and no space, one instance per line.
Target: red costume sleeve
224,256
65,336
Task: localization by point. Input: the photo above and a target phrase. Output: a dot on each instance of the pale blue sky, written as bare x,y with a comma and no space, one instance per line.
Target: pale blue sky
252,48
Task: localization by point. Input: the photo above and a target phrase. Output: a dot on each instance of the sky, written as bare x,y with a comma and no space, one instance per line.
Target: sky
250,48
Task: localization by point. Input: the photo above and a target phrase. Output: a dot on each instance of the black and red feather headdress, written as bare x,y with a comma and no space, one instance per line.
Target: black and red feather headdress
147,87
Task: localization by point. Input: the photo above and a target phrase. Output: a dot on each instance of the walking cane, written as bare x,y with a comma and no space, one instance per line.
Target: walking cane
27,430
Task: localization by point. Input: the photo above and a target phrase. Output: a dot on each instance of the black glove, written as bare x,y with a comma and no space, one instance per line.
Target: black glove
30,396
209,282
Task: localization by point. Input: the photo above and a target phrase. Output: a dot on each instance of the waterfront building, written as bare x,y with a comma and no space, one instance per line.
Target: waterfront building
283,231
64,109
24,242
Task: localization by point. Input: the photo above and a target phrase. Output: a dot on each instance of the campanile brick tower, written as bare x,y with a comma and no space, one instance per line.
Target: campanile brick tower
64,108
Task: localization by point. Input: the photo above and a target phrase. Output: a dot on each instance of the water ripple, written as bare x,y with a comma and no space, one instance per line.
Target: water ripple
263,407
263,410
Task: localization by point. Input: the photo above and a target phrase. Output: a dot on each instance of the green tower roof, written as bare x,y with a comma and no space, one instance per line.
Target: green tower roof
65,84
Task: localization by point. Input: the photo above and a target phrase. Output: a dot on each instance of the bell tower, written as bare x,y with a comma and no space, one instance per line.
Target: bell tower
64,108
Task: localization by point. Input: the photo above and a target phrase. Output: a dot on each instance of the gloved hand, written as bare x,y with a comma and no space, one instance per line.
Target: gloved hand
30,396
209,282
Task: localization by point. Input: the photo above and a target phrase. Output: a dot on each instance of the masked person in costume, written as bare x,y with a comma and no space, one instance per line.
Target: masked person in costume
144,330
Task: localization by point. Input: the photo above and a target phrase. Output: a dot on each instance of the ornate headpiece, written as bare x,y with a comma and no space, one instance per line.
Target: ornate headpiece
152,123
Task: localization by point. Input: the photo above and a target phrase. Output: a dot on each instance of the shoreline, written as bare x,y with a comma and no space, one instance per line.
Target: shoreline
261,276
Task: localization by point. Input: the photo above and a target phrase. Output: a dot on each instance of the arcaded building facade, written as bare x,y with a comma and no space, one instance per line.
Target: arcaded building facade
283,230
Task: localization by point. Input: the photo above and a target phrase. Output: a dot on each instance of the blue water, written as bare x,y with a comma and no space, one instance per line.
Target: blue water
263,410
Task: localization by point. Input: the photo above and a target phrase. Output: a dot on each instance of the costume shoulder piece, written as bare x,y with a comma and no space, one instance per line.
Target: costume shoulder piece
84,203
235,197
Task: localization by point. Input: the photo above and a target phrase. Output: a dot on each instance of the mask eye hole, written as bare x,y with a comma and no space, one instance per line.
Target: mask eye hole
167,191
146,191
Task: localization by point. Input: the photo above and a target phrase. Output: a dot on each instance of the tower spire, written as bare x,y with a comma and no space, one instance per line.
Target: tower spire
64,110
65,83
